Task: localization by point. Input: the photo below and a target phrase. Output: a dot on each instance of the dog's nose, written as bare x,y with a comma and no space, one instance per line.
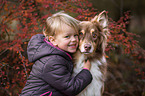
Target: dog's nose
87,46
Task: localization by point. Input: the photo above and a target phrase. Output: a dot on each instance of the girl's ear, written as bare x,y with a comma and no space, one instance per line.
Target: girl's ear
102,18
52,40
44,32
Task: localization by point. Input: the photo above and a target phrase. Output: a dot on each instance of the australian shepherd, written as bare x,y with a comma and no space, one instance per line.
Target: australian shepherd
93,36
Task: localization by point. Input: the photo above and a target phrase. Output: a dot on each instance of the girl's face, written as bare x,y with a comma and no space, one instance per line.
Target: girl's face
66,40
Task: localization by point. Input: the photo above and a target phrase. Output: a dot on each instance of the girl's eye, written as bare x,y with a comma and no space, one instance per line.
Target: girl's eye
66,36
76,35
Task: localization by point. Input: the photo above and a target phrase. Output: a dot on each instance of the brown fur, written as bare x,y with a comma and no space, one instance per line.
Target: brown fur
93,36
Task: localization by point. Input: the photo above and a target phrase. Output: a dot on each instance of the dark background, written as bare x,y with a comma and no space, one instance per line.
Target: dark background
116,9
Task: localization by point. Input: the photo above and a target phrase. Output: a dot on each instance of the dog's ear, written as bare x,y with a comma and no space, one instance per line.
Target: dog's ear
102,18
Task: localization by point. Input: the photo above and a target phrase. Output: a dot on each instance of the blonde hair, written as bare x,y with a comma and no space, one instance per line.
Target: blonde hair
57,21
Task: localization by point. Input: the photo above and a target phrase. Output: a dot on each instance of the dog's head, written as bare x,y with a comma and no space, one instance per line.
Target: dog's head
93,34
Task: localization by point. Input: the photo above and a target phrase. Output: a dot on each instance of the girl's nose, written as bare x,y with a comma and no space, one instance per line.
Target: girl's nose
74,38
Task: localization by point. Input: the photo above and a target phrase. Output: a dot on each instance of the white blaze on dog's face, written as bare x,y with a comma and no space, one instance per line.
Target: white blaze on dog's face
88,35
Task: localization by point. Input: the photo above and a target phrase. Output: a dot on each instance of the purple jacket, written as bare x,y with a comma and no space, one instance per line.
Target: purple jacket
52,70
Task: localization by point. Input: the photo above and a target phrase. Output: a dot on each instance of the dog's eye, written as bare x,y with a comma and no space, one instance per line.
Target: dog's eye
94,35
80,35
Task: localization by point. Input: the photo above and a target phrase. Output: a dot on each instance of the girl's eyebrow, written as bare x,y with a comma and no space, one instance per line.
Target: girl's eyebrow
67,33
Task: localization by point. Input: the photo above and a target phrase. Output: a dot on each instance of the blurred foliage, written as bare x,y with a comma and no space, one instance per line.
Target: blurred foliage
116,8
21,19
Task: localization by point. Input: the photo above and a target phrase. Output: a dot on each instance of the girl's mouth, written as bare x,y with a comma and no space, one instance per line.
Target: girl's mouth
72,46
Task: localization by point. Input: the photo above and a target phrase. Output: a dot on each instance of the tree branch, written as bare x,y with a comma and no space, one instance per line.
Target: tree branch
24,65
3,3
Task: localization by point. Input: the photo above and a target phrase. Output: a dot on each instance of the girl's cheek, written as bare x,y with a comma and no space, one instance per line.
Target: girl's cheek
77,42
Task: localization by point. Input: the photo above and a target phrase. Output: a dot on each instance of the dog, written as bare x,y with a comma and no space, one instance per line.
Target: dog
93,40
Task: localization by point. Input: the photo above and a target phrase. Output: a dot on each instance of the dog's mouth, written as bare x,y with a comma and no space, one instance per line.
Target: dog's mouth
86,52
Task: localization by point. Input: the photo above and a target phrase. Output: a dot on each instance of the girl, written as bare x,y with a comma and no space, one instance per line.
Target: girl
51,73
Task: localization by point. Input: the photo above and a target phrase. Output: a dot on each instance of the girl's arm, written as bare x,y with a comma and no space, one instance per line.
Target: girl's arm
58,76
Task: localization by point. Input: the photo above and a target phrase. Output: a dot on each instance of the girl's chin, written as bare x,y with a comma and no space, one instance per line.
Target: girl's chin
72,51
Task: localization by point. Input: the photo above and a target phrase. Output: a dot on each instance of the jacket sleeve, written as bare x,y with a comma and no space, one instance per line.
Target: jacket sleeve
58,76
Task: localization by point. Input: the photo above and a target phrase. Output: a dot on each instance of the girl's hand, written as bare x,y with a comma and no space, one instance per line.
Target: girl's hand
87,65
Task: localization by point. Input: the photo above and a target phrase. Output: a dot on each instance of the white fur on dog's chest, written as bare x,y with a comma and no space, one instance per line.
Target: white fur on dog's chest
94,88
